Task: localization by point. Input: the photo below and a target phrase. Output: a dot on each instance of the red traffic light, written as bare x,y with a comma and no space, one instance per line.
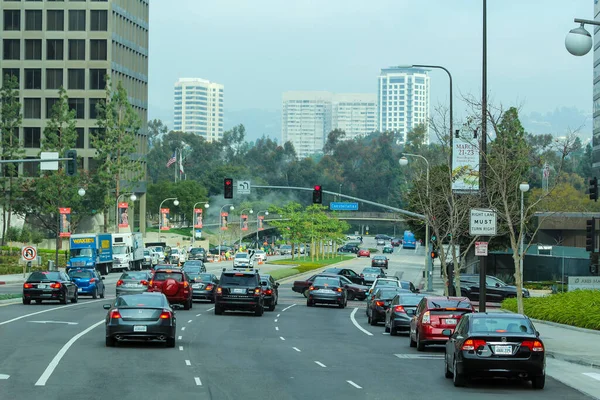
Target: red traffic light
228,182
317,187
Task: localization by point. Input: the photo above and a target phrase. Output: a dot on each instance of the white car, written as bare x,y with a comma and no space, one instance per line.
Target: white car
353,237
242,260
260,255
389,282
160,251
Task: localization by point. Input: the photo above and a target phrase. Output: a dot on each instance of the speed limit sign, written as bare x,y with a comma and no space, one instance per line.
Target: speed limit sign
28,253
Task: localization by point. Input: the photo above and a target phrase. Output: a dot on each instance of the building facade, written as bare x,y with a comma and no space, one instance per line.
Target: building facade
76,44
355,114
198,108
403,98
596,96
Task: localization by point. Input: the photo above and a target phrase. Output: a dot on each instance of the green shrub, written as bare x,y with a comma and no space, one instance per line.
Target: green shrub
577,308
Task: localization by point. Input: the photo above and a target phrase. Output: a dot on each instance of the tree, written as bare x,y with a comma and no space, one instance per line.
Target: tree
117,147
10,121
156,130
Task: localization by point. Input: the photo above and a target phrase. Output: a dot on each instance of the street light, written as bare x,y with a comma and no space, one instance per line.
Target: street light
579,41
206,205
257,224
251,211
175,202
231,208
523,187
81,192
132,197
428,261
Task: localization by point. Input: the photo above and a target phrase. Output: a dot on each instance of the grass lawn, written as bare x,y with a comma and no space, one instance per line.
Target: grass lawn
302,265
10,296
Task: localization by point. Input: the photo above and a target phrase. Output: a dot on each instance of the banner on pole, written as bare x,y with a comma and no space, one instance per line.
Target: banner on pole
465,166
224,216
260,222
197,218
123,216
65,222
244,222
164,219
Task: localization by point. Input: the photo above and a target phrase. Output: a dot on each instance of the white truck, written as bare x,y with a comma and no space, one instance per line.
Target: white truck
128,251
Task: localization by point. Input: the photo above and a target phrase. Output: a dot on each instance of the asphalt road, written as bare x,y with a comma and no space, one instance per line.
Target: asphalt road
51,351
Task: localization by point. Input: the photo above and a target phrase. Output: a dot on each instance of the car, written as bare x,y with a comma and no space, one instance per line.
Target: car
396,242
133,282
49,285
348,248
89,282
433,315
370,274
353,237
401,310
224,249
380,242
495,289
493,344
285,249
194,266
197,253
240,291
176,256
382,237
271,291
160,251
387,281
348,273
140,317
363,253
379,303
409,285
388,250
328,290
243,260
380,261
174,284
204,285
355,290
150,258
260,256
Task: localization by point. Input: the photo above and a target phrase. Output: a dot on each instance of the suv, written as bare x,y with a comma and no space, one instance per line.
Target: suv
197,253
174,284
242,260
496,290
239,290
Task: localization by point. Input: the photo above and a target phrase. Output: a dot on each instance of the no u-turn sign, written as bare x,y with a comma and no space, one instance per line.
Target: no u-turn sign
28,253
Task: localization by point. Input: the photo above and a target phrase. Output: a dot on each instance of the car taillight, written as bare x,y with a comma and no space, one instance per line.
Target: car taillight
209,287
339,290
151,282
56,285
379,303
119,282
165,315
92,280
269,291
426,318
115,314
399,309
311,288
533,345
219,290
145,283
472,344
186,284
27,286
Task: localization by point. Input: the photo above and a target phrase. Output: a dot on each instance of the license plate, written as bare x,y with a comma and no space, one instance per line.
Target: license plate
42,286
130,285
239,291
503,350
450,321
80,290
323,291
197,286
140,328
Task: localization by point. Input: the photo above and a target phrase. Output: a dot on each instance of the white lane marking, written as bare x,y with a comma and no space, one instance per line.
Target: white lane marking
189,321
51,309
594,375
354,384
54,322
356,324
210,309
2,376
61,353
281,337
183,329
320,364
198,381
197,315
288,307
179,338
275,319
276,328
180,348
297,349
278,315
385,333
188,362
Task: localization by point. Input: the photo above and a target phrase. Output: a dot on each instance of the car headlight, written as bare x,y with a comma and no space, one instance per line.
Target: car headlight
89,263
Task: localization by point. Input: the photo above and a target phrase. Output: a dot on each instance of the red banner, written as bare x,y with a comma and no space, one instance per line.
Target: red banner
244,222
65,222
260,222
224,216
164,219
123,216
197,218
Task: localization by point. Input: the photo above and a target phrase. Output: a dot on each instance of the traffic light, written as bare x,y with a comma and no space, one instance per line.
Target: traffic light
594,189
590,235
228,188
433,238
594,263
72,162
318,194
434,254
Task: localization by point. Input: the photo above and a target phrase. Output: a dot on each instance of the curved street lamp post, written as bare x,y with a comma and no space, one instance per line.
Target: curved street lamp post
206,205
175,202
266,212
231,208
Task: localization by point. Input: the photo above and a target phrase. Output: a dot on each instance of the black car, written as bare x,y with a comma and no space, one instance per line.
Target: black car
145,316
401,310
328,290
271,291
49,285
408,285
379,261
348,273
204,285
197,253
495,345
380,302
240,290
194,266
383,237
348,248
496,290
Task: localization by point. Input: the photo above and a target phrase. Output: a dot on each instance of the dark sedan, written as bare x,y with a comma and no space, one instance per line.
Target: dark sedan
496,290
194,266
140,317
328,290
379,261
348,273
380,302
487,345
355,291
204,286
197,253
401,310
270,290
49,285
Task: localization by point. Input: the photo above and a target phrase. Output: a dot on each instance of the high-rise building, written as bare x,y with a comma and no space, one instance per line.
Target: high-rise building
403,98
199,108
355,114
596,97
75,44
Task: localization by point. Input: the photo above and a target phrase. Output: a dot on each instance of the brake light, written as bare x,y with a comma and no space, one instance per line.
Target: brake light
379,303
311,288
219,290
269,291
27,286
473,344
145,283
56,285
533,345
115,314
186,284
339,290
426,318
92,280
119,282
399,309
209,287
165,315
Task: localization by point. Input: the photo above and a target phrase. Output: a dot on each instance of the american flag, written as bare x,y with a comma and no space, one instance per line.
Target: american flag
172,159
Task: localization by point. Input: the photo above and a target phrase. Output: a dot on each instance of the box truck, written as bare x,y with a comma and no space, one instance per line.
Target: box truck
128,251
91,250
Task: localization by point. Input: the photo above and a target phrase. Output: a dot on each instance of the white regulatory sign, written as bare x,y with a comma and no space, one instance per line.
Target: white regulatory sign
49,165
243,187
483,222
481,248
29,253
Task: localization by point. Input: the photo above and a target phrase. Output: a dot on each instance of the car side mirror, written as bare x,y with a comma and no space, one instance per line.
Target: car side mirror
497,284
277,284
103,278
106,306
537,333
176,306
447,332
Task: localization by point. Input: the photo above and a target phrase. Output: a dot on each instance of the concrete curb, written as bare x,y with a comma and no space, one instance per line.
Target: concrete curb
11,301
572,359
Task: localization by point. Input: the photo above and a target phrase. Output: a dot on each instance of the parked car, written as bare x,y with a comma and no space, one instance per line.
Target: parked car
348,248
363,253
174,284
285,249
496,290
379,261
89,282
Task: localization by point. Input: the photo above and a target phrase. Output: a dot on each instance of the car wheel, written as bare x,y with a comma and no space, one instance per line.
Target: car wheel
420,345
75,299
259,311
170,342
412,342
272,306
186,305
447,372
538,382
26,301
191,303
110,341
341,305
64,300
393,332
95,294
102,294
351,296
373,321
458,379
218,310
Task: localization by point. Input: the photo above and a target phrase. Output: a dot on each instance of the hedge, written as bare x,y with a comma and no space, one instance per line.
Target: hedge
9,260
301,267
577,308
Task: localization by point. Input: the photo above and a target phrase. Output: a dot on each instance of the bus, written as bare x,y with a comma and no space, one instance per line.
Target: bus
409,242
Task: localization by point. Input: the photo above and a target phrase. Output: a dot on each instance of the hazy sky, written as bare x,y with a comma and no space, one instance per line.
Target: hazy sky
260,48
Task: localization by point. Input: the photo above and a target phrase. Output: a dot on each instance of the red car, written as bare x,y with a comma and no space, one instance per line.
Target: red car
363,253
174,284
433,315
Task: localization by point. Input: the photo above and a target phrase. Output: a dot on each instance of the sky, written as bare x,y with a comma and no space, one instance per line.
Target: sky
259,49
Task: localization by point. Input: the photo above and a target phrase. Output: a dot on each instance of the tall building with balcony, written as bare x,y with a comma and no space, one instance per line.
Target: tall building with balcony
198,108
403,98
355,114
75,44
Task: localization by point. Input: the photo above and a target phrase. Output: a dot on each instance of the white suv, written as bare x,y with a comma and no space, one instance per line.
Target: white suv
243,260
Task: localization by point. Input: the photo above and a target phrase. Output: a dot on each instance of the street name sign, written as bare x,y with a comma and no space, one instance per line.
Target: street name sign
483,222
343,206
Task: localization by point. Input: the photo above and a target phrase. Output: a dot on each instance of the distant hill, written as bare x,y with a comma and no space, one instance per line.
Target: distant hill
559,122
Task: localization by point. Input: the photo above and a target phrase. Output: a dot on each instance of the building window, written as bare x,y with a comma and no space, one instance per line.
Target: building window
33,20
8,73
12,49
79,106
32,108
50,102
76,78
76,49
33,49
54,78
33,78
98,49
77,20
32,138
12,20
97,80
99,20
55,20
93,108
79,143
55,49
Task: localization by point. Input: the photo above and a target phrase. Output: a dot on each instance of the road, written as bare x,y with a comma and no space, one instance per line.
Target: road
51,351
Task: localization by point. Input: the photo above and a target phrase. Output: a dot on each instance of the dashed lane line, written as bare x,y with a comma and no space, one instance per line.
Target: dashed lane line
320,364
354,384
288,307
197,315
51,309
210,309
353,319
189,321
180,348
198,381
297,349
276,328
593,375
179,338
188,362
278,315
183,329
4,377
281,337
275,320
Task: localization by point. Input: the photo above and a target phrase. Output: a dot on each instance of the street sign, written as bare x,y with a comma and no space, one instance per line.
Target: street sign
483,222
28,253
49,165
481,248
243,187
584,283
343,206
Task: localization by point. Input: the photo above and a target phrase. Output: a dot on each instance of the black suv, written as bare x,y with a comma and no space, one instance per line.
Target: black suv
239,290
348,248
197,253
496,290
271,291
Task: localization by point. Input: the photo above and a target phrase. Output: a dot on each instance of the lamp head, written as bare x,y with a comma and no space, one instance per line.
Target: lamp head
524,187
251,211
81,192
206,205
266,213
403,161
232,208
578,41
133,197
176,202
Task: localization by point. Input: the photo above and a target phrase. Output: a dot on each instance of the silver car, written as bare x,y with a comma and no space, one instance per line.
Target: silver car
133,282
370,274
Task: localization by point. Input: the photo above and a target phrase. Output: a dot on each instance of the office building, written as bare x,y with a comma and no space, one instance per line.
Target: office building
403,98
198,108
75,44
355,114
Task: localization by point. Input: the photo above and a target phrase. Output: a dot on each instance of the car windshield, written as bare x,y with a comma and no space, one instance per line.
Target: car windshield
241,255
158,249
44,276
387,283
502,325
119,250
405,285
387,294
141,300
238,280
449,304
137,276
380,258
371,271
192,269
409,300
322,281
197,250
81,274
164,275
81,252
146,253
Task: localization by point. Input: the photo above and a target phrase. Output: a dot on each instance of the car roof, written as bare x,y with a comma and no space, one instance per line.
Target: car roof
498,315
334,269
438,298
240,271
379,256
